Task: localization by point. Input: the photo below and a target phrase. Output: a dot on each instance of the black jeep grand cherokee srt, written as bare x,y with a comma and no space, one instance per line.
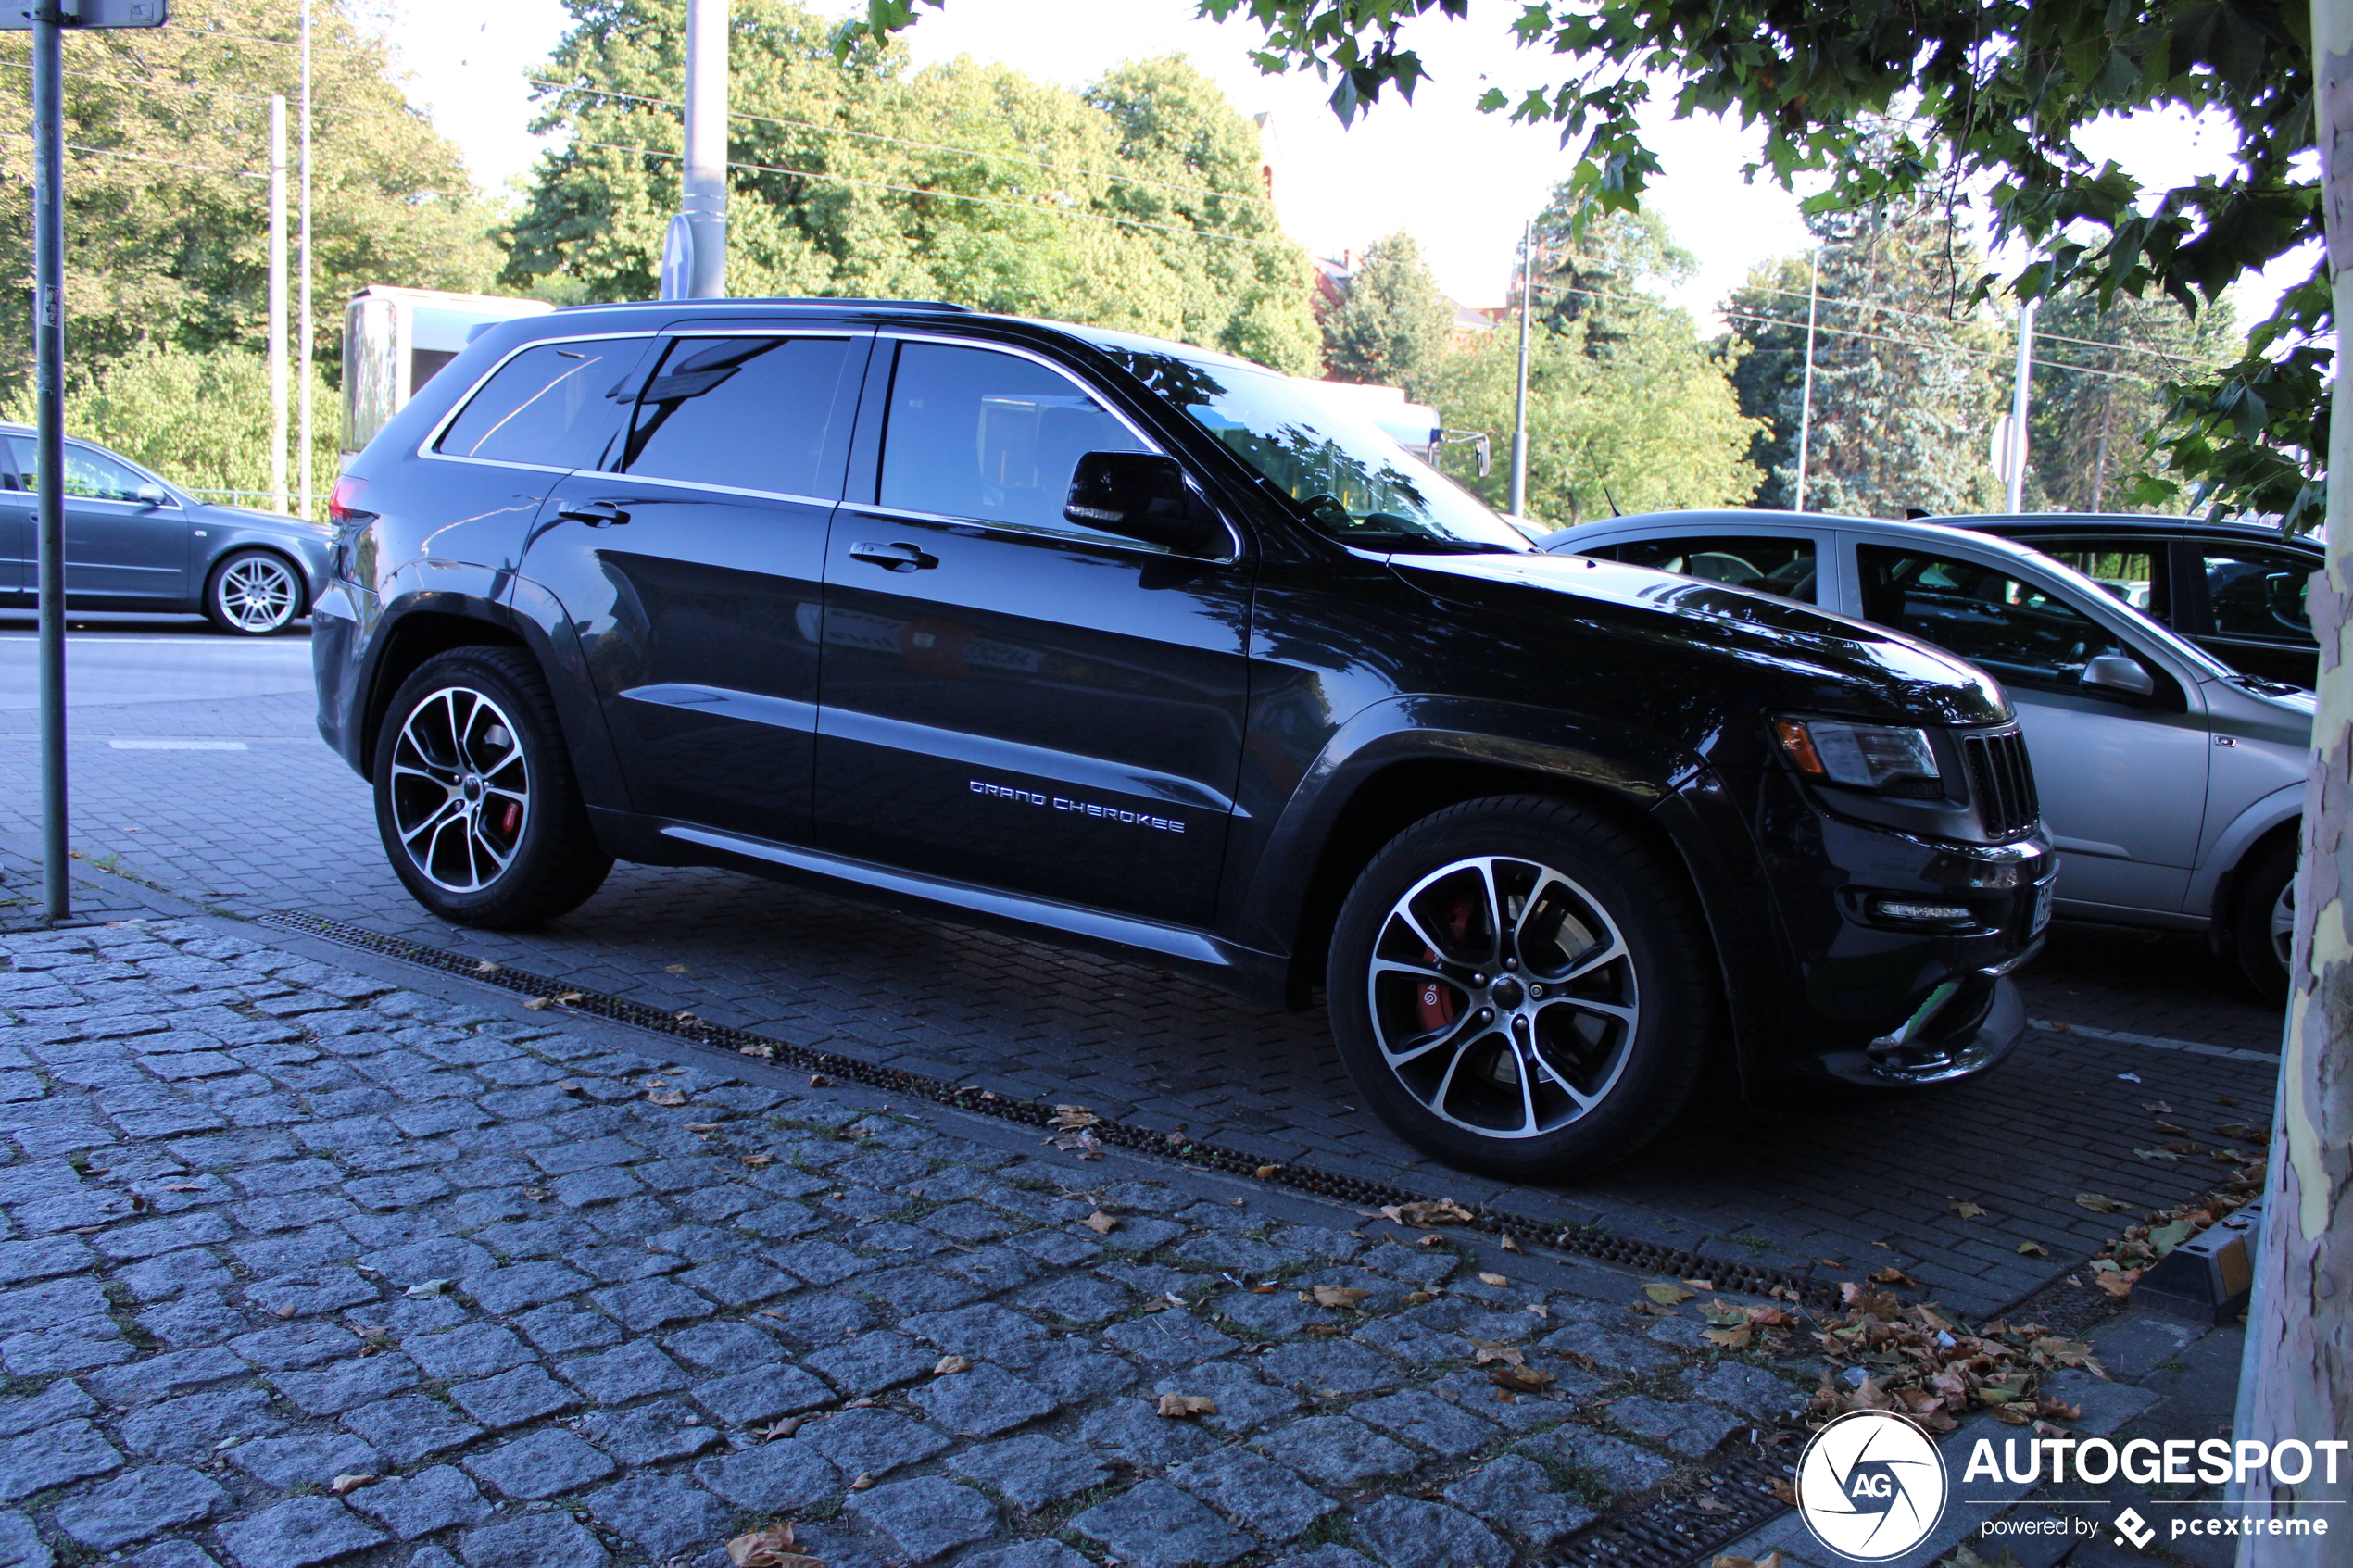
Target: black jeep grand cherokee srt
1145,647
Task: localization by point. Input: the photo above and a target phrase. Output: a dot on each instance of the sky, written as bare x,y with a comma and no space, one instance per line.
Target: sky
1460,181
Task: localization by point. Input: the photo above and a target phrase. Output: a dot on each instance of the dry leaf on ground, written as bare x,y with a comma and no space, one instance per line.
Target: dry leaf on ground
1496,1350
1070,1118
1521,1379
1507,1243
537,1004
1082,1143
1101,1224
949,1365
2096,1203
818,1081
666,1097
1427,1213
1266,1172
1184,1407
784,1428
1667,1293
1334,1295
344,1485
2033,1250
675,969
1492,1279
772,1547
1967,1210
1726,1560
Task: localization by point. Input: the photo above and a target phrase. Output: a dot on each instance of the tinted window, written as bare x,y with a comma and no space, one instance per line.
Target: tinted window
2256,594
88,474
752,413
553,405
2018,632
979,434
2133,574
1768,566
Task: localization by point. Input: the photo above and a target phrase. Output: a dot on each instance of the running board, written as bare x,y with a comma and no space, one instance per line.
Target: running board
1171,941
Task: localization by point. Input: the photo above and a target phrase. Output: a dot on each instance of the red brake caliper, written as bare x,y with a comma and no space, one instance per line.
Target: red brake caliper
510,819
1435,1005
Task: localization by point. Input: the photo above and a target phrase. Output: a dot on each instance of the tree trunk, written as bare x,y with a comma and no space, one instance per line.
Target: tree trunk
2297,1379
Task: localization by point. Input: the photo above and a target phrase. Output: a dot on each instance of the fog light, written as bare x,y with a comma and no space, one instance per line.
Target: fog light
1936,914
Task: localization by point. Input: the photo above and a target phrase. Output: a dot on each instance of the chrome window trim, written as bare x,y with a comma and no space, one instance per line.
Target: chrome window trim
1094,395
433,437
651,478
1060,535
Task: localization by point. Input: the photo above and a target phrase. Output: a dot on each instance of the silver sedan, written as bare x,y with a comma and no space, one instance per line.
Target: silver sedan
2172,785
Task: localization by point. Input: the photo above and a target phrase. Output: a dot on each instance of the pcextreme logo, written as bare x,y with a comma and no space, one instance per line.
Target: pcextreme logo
1870,1486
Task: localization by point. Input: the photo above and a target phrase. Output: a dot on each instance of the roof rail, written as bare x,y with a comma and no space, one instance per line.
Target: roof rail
830,301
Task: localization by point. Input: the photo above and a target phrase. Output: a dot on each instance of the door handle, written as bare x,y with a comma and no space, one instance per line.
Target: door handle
894,557
596,514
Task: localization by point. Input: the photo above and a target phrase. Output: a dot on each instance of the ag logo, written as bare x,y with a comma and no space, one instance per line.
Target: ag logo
1870,1486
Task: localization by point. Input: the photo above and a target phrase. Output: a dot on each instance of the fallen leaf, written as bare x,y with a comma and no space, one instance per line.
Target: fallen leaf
1071,1118
1507,1243
665,1097
818,1081
1893,1275
428,1287
1730,1338
344,1485
2241,1130
285,1312
1266,1172
571,1087
2097,1204
1326,1330
1770,1560
537,1004
2033,1250
951,1365
2225,1100
184,1187
483,966
757,1160
864,1482
1784,1491
536,1195
1335,1294
1488,1350
784,1428
566,998
1415,1297
1101,1224
2165,1154
1701,1283
1652,1309
1083,1144
1967,1210
1492,1279
676,969
1184,1407
1521,1379
1427,1213
2118,1282
2158,1108
766,1053
2129,1077
1708,1504
1667,1293
687,1017
2165,1126
772,1547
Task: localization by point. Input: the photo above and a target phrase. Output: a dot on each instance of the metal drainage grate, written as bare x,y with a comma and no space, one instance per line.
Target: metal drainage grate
1674,1531
1583,1241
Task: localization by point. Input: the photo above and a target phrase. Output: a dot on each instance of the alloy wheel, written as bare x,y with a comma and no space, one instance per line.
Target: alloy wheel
256,594
460,789
2283,923
1504,998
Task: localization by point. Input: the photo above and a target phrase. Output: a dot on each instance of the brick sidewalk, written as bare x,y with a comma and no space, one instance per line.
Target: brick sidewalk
273,1222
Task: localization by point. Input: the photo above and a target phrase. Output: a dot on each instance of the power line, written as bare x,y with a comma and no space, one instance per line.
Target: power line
138,157
1915,343
1921,316
411,118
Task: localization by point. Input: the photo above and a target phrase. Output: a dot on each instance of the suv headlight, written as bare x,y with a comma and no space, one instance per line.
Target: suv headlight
1872,757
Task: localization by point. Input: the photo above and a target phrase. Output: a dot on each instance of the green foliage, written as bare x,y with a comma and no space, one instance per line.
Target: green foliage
1650,425
199,418
1138,204
2099,392
1593,270
1992,96
1392,326
1907,371
167,192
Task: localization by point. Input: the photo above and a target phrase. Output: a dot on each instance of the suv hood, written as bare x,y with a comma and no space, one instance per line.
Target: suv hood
1822,661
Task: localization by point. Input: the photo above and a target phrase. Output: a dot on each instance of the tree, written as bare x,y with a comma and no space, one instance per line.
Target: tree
1592,269
1391,325
167,188
1905,370
2098,397
1138,204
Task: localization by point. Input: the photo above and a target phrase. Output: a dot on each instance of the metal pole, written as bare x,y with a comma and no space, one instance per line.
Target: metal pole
302,366
1806,400
1519,408
278,302
2017,453
704,196
48,442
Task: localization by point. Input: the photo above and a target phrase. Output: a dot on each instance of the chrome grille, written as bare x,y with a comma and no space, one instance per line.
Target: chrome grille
2003,781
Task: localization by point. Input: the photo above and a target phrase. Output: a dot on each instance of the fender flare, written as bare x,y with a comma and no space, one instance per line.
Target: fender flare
2211,885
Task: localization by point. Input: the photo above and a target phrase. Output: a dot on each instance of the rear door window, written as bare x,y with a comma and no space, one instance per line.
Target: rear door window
2259,594
1764,564
2131,570
746,413
553,405
975,434
2020,633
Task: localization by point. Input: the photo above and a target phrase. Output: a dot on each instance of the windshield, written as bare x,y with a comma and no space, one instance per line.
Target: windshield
1353,482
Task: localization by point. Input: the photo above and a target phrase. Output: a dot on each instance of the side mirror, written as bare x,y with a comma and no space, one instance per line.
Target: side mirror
153,495
1142,495
2119,672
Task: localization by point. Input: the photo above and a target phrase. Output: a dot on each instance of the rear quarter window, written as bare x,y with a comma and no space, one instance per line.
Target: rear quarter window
554,406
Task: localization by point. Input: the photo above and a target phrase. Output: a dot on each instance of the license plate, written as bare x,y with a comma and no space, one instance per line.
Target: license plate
2042,896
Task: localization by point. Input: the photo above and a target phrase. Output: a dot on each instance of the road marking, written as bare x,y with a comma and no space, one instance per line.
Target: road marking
2230,1053
177,744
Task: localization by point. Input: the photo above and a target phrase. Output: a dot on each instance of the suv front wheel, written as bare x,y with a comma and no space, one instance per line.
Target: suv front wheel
476,798
1521,988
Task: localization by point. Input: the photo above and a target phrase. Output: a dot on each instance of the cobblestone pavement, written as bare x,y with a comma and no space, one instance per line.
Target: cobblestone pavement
301,1267
281,824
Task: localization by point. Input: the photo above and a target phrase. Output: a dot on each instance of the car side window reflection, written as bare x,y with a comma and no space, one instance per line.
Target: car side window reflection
88,475
2135,576
973,433
2017,631
752,413
1783,567
551,406
2254,593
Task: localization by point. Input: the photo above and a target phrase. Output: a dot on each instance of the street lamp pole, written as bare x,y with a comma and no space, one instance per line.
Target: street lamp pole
48,440
1519,413
2014,465
703,203
278,302
1806,400
302,480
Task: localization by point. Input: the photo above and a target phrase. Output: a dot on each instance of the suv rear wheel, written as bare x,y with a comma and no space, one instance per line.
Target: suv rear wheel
476,798
1519,988
2263,918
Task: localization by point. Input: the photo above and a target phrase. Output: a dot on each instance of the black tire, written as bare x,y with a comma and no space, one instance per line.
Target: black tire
488,830
2264,889
254,593
1636,1070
